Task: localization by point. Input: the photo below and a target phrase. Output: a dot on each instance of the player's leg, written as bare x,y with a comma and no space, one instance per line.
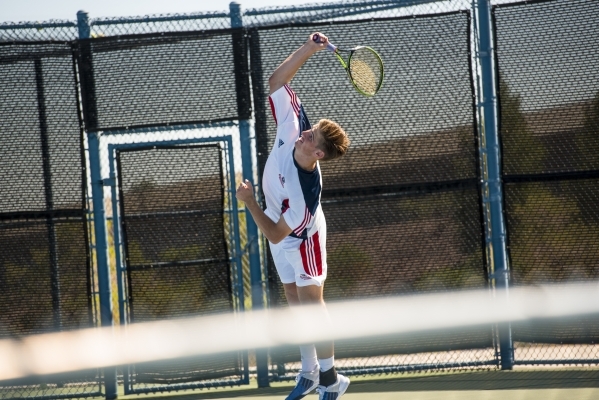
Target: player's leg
313,295
291,294
307,351
310,266
308,378
309,263
332,385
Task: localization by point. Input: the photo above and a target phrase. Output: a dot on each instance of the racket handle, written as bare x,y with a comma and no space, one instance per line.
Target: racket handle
330,46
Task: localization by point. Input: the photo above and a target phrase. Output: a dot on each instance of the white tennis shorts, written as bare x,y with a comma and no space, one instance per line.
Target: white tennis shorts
304,266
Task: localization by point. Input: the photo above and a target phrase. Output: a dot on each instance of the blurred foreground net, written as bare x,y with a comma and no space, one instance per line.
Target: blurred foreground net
405,319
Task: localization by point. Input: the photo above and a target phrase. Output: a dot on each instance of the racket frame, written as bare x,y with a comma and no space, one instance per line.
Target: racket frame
347,65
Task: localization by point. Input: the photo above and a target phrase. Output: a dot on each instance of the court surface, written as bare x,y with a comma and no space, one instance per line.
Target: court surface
578,384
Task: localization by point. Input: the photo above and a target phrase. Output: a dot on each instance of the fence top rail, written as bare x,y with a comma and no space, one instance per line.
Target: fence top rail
366,4
38,25
157,18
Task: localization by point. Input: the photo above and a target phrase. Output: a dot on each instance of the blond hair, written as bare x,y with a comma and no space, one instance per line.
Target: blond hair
335,141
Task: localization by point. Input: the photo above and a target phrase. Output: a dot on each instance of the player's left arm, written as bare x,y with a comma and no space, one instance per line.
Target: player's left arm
274,231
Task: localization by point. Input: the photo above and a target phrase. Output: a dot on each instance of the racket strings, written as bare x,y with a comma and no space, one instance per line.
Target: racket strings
365,70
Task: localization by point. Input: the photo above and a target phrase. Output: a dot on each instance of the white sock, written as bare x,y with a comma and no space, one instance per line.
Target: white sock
326,364
309,358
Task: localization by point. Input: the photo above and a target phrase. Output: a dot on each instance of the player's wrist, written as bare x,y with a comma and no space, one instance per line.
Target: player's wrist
251,204
312,47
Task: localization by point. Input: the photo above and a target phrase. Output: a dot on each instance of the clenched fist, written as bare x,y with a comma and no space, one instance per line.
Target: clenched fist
245,191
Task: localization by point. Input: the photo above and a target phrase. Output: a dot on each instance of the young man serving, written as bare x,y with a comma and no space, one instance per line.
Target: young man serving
293,221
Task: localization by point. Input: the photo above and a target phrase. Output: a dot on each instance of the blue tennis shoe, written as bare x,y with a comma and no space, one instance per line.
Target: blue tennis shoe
307,381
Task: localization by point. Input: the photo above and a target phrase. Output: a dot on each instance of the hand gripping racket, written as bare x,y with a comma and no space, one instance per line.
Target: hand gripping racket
364,66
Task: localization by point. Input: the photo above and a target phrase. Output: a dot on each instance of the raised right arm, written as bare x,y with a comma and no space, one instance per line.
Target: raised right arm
288,68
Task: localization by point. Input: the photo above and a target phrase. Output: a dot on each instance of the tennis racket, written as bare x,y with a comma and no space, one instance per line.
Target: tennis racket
363,65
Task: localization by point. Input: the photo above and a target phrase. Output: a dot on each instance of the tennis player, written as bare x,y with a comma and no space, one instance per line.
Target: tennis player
293,221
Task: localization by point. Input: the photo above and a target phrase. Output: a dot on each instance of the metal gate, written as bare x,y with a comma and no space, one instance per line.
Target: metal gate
176,235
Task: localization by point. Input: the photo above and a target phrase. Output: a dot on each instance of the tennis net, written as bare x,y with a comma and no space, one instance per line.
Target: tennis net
397,318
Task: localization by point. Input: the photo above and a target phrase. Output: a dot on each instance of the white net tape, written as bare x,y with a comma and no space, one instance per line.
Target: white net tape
144,342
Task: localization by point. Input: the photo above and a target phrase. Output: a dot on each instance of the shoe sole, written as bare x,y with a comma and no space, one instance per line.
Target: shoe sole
301,396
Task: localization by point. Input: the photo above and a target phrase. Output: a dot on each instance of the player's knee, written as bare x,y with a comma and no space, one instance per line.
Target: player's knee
311,294
291,295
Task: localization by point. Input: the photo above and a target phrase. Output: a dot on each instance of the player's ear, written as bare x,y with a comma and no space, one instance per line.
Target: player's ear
319,153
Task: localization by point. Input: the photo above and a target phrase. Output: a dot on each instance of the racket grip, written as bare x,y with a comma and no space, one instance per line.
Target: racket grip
330,46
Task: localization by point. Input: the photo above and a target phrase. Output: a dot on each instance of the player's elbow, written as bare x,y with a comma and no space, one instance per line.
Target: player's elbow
276,238
279,233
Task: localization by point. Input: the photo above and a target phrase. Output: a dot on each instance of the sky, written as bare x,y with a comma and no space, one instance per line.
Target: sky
44,10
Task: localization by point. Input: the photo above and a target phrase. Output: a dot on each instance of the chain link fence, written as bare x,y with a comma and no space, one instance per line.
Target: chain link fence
45,272
410,181
549,97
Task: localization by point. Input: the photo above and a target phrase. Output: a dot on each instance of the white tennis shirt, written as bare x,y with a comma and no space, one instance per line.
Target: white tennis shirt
289,190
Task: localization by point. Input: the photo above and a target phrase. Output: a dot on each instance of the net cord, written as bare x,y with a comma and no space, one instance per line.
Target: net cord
171,339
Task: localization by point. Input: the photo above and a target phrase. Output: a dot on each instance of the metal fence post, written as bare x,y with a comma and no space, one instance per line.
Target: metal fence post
493,180
244,105
50,224
100,229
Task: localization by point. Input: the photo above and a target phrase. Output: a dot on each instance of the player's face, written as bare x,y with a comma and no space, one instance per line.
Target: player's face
308,139
308,142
